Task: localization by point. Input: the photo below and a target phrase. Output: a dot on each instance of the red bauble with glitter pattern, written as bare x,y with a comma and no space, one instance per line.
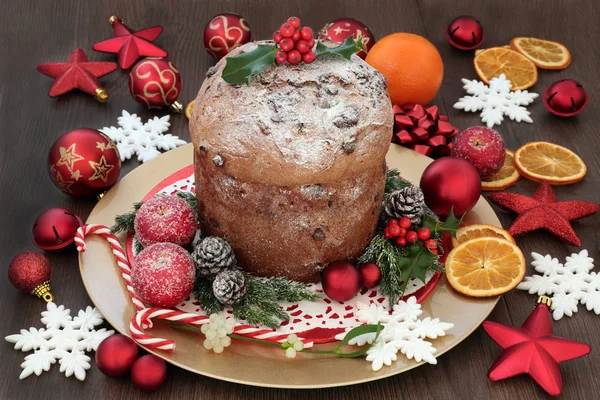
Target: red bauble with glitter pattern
155,83
337,31
165,219
115,355
84,162
163,275
565,98
29,272
340,281
465,33
224,32
149,373
55,229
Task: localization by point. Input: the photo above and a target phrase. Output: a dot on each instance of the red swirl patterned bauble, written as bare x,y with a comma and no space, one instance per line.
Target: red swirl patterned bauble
149,373
115,355
224,32
337,31
84,162
155,83
29,272
55,229
341,281
450,183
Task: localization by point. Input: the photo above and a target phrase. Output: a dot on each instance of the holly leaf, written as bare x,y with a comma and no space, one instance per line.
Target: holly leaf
416,263
358,331
239,69
346,49
451,223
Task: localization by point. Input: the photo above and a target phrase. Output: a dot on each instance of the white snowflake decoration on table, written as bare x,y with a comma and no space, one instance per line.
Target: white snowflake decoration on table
402,331
144,140
67,345
569,285
495,101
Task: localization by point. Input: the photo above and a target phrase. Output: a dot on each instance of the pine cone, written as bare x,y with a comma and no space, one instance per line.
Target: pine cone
230,286
212,255
405,202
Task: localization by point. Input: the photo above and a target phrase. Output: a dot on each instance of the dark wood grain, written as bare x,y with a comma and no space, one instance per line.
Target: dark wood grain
32,32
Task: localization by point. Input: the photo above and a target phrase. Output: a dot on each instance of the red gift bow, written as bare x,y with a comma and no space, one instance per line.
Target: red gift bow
424,130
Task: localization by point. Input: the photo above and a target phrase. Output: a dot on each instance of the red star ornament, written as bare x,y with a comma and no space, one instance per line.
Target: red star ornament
130,45
544,211
78,73
533,350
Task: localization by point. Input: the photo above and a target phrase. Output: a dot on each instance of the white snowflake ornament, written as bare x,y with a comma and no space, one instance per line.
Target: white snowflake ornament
67,345
142,139
495,101
402,331
569,285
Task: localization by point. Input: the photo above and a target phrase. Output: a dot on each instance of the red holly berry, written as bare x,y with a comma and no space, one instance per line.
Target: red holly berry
424,233
294,57
309,57
401,241
434,251
296,36
411,236
403,232
302,46
387,234
286,30
286,44
431,244
393,222
277,37
306,33
281,57
311,43
405,222
294,21
394,230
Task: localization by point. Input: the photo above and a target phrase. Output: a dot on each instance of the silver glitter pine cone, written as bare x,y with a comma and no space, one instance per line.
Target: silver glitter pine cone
405,202
212,255
230,286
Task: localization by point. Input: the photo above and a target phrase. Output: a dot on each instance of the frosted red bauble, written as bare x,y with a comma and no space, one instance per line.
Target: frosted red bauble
155,83
165,219
337,31
149,373
115,355
224,32
464,33
163,275
55,229
370,275
450,183
340,281
565,98
481,146
28,270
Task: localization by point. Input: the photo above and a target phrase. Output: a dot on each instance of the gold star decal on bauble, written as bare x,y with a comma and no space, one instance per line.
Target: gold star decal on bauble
68,157
339,30
101,169
76,175
63,185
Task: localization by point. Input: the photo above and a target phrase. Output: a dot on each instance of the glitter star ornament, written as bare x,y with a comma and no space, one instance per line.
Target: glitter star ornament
533,350
78,73
129,45
544,211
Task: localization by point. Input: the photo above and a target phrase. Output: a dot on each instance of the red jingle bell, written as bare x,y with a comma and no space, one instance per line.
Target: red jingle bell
370,275
55,229
155,83
340,280
337,31
29,272
465,33
115,355
224,32
565,98
149,373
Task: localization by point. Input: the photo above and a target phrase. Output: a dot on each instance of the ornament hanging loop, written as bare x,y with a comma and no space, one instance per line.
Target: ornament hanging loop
545,300
114,18
177,107
101,95
43,292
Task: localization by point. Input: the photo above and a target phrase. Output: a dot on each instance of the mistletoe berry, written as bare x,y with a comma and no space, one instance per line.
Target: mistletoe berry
424,233
281,57
412,236
286,44
286,30
294,57
405,222
306,33
277,37
302,46
294,21
309,57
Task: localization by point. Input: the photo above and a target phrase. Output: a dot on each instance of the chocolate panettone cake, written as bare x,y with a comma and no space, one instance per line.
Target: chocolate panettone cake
290,168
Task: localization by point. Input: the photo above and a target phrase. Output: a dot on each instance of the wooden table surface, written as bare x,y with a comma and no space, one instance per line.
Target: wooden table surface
34,32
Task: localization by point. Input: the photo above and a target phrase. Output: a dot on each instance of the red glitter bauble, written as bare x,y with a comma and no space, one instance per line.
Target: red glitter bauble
84,162
155,83
165,219
483,147
163,275
340,280
337,31
29,272
149,373
565,98
450,183
55,229
370,275
224,32
465,33
115,355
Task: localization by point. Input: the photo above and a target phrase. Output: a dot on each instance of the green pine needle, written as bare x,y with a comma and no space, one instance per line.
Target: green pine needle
125,222
387,256
204,294
393,181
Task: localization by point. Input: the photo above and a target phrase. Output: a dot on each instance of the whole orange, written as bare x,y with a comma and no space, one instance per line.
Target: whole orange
412,66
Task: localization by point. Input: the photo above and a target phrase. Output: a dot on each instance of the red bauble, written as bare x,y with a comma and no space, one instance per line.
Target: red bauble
565,98
481,146
55,229
163,275
130,45
84,162
155,83
450,183
149,373
465,33
370,275
340,280
337,31
78,73
533,350
224,32
165,219
115,355
29,272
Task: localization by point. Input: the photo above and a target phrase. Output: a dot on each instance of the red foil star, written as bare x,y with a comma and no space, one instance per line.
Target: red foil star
533,350
77,73
130,45
544,211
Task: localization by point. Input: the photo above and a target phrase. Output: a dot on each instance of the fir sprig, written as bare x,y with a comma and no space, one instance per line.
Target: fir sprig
387,256
191,199
204,294
125,222
393,181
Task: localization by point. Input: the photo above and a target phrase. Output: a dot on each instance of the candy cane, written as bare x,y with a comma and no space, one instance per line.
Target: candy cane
117,250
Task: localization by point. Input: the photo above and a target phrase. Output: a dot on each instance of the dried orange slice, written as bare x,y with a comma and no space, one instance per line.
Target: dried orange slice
189,108
543,161
476,231
493,62
506,46
486,266
545,54
506,177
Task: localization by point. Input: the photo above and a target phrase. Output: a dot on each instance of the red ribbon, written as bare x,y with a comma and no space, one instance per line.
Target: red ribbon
424,130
